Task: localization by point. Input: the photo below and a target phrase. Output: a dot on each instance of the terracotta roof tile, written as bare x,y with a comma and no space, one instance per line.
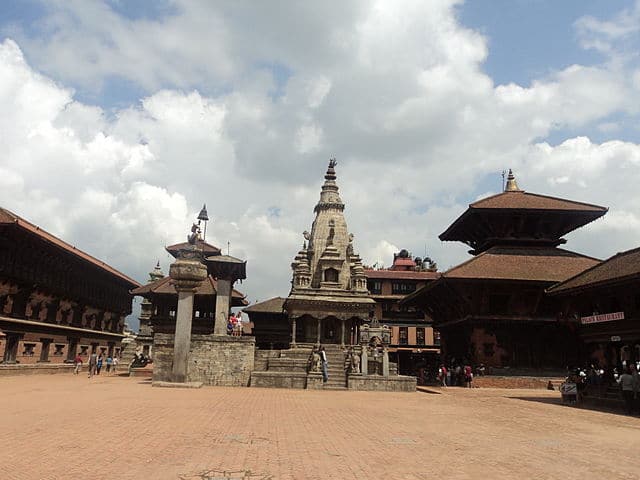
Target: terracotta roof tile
164,286
401,274
7,217
533,201
273,305
622,266
207,248
544,264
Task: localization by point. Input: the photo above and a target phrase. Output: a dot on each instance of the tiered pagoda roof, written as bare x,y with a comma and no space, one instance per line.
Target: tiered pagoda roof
516,217
514,236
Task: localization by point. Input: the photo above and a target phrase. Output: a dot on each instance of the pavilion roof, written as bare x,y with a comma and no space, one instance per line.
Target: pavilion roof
10,218
206,248
543,264
165,286
518,218
532,201
273,305
622,266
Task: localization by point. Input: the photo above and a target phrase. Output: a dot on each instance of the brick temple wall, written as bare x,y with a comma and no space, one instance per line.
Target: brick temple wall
213,359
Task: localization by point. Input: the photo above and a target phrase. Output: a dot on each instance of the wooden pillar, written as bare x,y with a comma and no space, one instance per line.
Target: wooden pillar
319,331
11,347
44,352
72,349
342,321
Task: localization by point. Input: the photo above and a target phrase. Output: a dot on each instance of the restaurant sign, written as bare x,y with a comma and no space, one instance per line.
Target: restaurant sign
605,317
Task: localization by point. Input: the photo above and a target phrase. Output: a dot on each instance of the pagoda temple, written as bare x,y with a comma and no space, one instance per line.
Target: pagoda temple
492,309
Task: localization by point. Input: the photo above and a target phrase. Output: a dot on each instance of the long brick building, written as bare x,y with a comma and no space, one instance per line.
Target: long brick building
55,300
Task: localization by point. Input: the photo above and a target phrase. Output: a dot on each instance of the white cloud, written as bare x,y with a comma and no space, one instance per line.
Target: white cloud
244,107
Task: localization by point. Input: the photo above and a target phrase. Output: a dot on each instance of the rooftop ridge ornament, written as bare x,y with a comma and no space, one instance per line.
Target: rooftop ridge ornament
512,185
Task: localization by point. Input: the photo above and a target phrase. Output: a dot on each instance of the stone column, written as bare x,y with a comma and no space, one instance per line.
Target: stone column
364,361
293,332
223,297
187,273
44,352
319,331
342,322
385,362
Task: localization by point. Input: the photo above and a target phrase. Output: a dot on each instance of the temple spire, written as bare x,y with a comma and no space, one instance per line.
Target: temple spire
512,185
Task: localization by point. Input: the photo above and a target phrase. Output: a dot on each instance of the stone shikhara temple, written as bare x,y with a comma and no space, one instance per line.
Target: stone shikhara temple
328,305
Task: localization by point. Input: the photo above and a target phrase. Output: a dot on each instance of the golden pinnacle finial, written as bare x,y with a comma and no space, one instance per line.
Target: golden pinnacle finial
512,185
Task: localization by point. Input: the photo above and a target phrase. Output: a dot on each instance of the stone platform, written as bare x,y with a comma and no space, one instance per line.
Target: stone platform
220,360
14,369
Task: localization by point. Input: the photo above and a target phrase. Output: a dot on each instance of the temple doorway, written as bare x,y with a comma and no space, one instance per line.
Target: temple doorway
330,330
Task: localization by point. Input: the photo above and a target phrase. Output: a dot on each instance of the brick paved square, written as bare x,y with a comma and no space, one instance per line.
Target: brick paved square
68,427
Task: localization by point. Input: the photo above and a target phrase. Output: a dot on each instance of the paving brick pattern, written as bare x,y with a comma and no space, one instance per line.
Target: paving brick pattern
69,427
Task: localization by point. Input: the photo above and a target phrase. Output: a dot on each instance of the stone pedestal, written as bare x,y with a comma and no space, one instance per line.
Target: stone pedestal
385,363
364,361
314,381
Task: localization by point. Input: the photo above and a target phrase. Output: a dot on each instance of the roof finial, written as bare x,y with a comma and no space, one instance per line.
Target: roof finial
512,185
331,173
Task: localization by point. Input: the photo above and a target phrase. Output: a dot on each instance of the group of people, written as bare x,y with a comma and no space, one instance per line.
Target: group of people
234,324
458,375
95,364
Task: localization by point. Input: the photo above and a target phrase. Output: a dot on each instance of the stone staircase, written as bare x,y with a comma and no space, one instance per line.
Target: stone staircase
337,363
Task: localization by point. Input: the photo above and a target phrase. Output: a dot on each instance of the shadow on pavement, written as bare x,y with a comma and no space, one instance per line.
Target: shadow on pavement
587,405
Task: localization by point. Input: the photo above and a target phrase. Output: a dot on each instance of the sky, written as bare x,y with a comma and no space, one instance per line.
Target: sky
120,119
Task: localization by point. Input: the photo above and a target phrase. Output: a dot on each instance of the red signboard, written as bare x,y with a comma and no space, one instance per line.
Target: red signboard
605,317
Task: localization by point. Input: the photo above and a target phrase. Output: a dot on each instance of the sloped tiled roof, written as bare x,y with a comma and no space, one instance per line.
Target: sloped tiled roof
401,274
207,248
533,201
273,305
7,218
622,266
164,286
543,264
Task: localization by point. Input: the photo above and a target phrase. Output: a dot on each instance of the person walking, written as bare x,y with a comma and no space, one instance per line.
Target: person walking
78,364
93,361
116,361
626,381
325,365
109,364
99,365
468,375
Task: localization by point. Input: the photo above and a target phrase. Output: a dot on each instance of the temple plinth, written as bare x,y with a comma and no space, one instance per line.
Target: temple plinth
187,273
226,270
